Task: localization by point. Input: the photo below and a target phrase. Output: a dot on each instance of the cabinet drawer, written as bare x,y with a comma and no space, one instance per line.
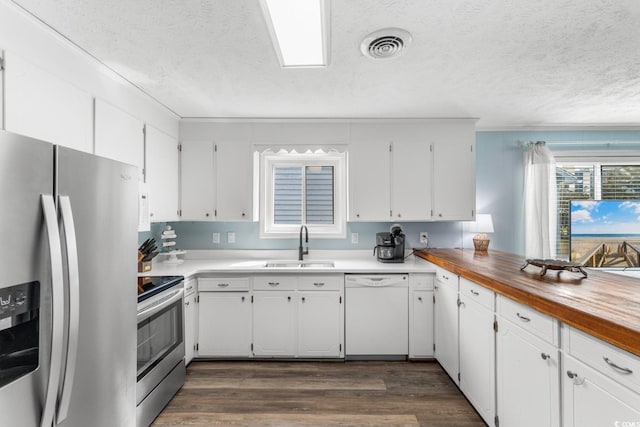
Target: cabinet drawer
321,283
445,276
529,319
209,284
189,286
421,281
612,361
478,293
271,281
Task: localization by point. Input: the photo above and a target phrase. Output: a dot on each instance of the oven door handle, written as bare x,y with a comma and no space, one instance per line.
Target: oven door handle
148,312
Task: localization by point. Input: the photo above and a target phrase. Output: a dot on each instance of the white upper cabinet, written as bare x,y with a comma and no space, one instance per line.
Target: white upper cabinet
162,175
41,105
369,181
217,181
197,192
410,189
419,171
119,135
234,181
454,172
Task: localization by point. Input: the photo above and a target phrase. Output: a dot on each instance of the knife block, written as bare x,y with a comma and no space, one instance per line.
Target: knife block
144,266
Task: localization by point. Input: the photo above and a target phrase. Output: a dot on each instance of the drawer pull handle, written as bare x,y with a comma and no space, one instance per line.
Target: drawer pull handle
318,284
274,283
576,379
475,293
619,368
523,318
223,285
544,356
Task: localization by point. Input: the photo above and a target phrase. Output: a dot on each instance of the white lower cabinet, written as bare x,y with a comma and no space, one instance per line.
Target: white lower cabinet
274,315
446,322
190,314
421,315
528,378
591,399
224,317
306,319
319,325
477,348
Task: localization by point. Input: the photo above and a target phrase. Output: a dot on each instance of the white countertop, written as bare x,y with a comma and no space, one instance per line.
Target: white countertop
252,262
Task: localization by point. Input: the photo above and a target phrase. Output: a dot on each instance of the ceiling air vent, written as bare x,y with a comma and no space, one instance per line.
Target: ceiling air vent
386,43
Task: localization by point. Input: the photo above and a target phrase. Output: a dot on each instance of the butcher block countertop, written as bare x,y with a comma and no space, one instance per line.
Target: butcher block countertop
604,305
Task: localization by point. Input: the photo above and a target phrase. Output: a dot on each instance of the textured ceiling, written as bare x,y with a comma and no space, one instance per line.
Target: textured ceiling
509,63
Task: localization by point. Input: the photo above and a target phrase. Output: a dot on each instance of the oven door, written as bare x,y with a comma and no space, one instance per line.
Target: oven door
160,339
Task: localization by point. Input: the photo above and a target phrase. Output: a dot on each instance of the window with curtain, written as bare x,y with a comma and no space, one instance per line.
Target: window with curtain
591,181
303,189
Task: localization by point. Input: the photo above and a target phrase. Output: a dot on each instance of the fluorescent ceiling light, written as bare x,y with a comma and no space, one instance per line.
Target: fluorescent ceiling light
299,31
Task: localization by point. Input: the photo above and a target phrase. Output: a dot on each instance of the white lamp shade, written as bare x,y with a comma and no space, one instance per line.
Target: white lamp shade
482,224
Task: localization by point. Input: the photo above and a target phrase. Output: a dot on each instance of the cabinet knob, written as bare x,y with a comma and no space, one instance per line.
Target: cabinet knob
207,214
357,215
419,298
150,213
399,216
440,215
544,356
243,214
302,299
242,299
186,303
289,298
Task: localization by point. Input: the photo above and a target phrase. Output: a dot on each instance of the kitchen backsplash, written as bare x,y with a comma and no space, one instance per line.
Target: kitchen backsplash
199,235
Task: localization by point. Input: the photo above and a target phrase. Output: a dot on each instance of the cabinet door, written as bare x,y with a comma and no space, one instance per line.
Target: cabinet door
224,324
369,195
234,181
528,379
477,357
40,105
197,181
454,172
411,181
421,324
446,326
593,400
273,323
189,327
119,135
319,324
162,175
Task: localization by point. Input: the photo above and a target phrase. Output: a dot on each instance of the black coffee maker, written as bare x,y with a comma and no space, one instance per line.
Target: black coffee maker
390,246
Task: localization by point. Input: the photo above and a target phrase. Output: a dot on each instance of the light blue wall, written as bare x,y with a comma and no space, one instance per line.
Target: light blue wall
499,184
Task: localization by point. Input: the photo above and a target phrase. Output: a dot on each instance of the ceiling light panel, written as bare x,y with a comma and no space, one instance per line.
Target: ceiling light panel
299,31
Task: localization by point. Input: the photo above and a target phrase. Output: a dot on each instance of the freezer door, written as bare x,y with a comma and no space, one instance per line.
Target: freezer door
26,173
102,197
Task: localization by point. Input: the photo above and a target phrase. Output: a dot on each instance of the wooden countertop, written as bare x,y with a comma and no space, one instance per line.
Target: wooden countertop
604,305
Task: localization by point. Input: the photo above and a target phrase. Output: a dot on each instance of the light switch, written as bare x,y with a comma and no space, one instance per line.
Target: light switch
354,238
231,237
215,238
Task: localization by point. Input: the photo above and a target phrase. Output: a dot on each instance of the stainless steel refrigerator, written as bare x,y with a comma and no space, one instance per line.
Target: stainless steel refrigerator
67,287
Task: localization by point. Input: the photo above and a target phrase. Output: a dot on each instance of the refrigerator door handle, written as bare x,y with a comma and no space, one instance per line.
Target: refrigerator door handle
57,309
73,274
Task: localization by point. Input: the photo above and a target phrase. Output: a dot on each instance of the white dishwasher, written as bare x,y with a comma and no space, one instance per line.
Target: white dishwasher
376,316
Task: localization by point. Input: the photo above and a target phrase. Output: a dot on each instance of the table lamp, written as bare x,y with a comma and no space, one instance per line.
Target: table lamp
482,226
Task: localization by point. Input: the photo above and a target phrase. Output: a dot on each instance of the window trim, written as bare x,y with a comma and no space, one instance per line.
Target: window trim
597,159
269,160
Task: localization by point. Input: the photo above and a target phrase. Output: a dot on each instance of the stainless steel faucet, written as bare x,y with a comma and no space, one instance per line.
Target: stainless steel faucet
302,252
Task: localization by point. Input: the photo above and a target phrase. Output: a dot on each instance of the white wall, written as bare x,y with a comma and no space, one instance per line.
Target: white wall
55,59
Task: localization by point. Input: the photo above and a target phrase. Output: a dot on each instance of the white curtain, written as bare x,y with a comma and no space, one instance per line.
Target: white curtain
540,202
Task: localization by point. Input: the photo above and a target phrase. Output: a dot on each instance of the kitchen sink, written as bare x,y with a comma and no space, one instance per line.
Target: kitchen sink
299,264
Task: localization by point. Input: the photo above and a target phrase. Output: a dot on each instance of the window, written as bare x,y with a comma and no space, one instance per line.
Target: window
303,189
591,180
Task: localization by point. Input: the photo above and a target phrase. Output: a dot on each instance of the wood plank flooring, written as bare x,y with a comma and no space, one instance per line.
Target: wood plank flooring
266,393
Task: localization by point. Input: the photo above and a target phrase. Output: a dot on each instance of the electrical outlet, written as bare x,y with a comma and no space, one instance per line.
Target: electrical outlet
215,238
354,238
424,237
231,237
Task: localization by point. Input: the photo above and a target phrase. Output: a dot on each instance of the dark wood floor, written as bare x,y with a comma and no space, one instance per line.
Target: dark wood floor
264,393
